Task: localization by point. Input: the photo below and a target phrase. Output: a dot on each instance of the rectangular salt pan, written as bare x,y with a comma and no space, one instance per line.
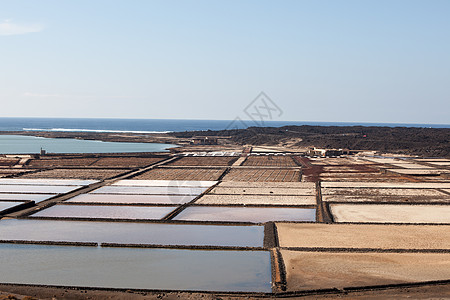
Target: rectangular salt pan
411,166
131,233
256,200
66,182
338,270
390,213
376,236
262,191
253,184
26,197
131,199
165,183
141,190
135,268
246,214
392,185
105,212
37,189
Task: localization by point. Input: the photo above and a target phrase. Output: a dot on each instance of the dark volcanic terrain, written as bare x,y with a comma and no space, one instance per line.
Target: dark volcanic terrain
404,140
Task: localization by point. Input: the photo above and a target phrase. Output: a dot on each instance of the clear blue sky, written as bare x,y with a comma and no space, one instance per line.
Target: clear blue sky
348,61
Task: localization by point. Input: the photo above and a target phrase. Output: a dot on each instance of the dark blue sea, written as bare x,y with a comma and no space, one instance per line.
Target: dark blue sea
162,125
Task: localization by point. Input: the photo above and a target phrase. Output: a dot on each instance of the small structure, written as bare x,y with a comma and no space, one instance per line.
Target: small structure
203,140
316,152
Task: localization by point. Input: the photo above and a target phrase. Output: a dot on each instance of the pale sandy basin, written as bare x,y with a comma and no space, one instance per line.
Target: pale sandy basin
411,166
390,213
418,172
253,184
364,236
381,192
320,270
262,191
404,185
257,200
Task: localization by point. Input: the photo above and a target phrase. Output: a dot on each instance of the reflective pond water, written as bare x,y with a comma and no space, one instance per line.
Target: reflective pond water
245,271
10,144
131,233
131,199
246,214
149,190
105,212
32,197
38,189
175,183
46,181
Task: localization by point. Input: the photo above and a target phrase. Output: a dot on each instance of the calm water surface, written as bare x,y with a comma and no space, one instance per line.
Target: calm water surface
245,271
14,144
105,212
131,233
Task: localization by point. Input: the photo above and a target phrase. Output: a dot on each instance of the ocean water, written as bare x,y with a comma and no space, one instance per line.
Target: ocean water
161,125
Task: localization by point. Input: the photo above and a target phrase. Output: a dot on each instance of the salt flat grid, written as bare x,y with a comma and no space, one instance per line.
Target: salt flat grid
218,214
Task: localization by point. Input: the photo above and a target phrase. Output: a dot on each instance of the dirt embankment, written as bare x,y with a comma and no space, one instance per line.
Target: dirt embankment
405,140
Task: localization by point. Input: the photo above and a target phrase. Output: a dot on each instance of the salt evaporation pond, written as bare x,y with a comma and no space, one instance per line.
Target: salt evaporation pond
136,268
105,212
48,182
131,199
37,189
246,214
150,190
11,144
131,233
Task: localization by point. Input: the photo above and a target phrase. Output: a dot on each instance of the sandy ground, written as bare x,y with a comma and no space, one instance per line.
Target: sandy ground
257,200
315,270
181,174
418,172
297,185
381,192
385,199
390,213
364,236
405,185
263,175
262,191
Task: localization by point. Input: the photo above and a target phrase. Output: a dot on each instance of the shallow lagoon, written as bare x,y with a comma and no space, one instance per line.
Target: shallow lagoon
12,144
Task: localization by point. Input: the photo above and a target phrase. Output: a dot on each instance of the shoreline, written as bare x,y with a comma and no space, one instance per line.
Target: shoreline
424,142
